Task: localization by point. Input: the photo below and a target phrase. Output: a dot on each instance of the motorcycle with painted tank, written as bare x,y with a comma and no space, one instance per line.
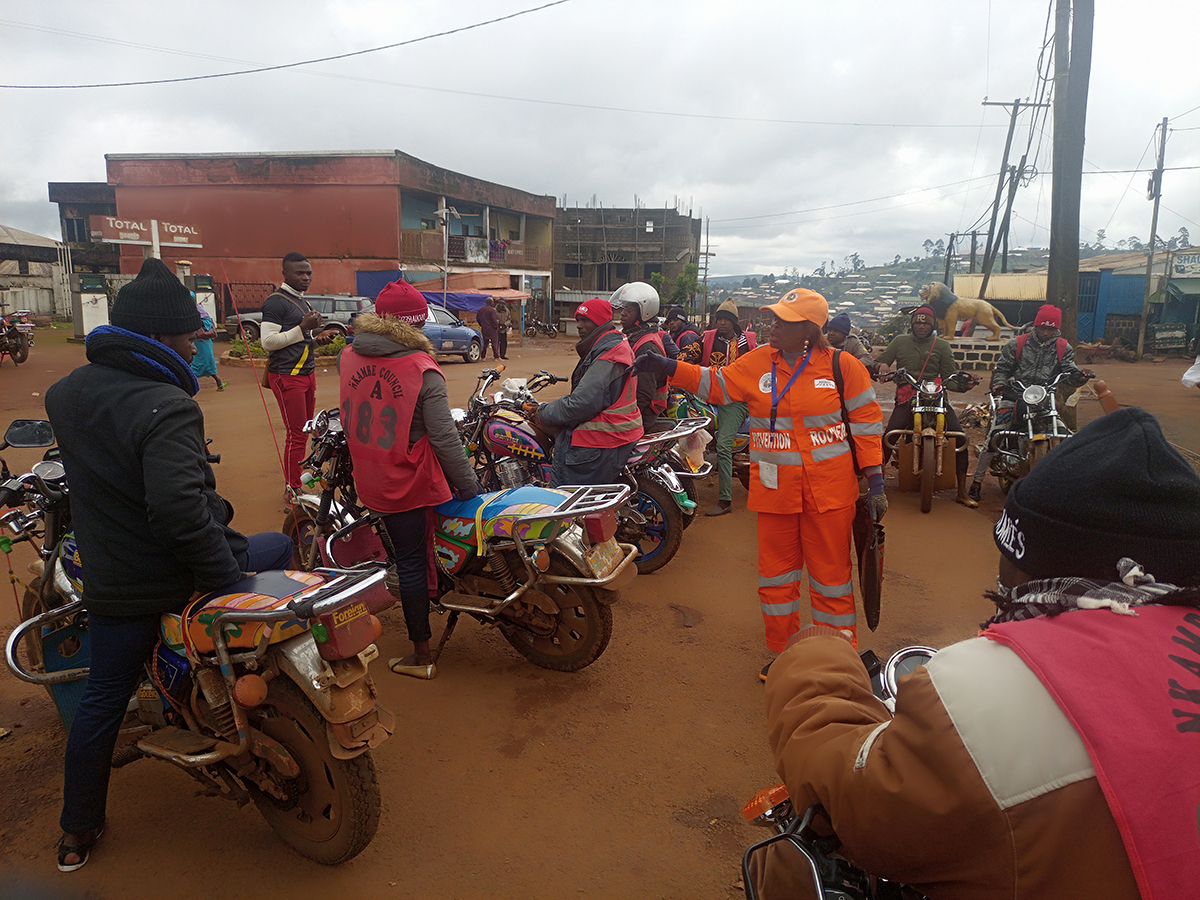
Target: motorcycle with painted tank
544,566
259,691
509,448
803,858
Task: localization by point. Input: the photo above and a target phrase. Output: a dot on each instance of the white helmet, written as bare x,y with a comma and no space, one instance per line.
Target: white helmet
643,295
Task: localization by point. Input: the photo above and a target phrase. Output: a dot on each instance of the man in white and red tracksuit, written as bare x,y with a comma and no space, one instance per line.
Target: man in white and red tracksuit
598,422
803,483
405,446
1058,753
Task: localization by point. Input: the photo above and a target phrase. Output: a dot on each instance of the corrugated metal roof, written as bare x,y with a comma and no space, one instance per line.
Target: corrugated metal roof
9,235
1008,286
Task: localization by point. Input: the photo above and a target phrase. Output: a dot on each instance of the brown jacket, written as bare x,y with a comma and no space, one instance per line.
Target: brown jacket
977,789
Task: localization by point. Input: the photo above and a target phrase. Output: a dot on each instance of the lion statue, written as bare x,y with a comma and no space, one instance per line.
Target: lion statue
949,308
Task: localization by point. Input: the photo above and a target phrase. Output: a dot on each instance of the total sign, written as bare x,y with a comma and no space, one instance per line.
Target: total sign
179,235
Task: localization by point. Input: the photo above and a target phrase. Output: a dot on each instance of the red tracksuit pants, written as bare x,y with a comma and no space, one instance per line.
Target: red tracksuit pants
787,543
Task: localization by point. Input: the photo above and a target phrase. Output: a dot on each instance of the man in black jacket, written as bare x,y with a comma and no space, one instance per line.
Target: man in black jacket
151,529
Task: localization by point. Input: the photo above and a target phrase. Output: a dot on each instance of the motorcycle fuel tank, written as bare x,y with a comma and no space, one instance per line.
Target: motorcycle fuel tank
508,434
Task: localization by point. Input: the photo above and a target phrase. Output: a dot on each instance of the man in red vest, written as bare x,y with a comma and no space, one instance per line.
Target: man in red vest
720,346
405,446
1058,753
598,423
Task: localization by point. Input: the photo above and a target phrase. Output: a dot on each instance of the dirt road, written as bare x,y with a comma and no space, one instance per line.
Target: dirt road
505,780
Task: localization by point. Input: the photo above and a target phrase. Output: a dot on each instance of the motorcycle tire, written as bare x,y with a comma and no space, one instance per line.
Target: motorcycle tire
1038,451
552,330
693,494
29,653
334,811
582,630
928,470
299,526
19,342
663,531
531,331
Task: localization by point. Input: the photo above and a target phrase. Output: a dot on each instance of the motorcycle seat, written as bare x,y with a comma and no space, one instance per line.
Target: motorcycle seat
499,510
263,591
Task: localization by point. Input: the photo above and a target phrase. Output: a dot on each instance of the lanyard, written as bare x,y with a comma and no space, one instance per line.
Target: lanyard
775,398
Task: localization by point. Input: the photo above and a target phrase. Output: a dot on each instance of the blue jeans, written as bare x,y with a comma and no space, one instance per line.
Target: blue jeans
120,647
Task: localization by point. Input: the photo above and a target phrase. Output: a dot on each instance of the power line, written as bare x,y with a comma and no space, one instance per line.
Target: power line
291,65
1182,114
845,215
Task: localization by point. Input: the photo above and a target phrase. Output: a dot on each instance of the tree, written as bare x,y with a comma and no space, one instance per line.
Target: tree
657,280
746,282
819,271
896,261
928,245
1101,237
1134,243
1185,239
939,249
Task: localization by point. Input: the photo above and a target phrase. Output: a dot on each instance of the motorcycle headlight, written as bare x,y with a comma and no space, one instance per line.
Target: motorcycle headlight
459,415
930,387
1034,394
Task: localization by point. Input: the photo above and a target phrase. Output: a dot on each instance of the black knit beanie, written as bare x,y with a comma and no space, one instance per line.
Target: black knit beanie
156,302
1115,489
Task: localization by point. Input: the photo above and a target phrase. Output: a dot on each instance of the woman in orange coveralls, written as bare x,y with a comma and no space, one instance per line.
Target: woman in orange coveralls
802,480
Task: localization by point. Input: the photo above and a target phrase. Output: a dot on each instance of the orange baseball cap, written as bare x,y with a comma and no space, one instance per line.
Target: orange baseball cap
801,305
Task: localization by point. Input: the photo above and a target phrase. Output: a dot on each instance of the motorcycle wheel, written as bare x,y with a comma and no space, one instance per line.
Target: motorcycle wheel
552,330
530,331
299,526
581,629
1038,451
663,531
30,651
693,494
928,467
20,347
334,810
1005,484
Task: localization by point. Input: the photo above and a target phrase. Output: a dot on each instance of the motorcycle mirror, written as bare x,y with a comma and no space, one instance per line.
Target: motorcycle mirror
780,868
29,433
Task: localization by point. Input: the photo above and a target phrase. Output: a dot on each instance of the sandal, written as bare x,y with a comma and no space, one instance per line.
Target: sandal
82,849
408,666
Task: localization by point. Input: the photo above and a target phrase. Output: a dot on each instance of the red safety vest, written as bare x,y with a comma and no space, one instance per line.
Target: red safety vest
1140,722
659,402
710,339
379,396
621,423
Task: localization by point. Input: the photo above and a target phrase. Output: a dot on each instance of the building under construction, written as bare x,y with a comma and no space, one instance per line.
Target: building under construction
596,250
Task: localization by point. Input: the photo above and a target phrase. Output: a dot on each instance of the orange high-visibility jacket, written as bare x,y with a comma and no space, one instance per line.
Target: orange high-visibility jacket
809,435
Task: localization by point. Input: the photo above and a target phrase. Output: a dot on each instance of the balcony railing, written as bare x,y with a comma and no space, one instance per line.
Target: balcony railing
420,244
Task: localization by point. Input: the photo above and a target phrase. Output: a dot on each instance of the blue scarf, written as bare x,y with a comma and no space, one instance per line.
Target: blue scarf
108,345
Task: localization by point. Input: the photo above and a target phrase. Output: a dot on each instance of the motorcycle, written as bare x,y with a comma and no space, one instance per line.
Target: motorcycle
683,405
804,849
259,691
543,565
1026,432
510,449
16,335
926,452
535,326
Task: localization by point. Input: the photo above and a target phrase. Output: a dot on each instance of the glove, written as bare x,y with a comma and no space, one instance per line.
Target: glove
654,364
876,498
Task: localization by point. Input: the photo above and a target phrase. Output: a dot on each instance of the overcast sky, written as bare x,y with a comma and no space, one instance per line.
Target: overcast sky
877,100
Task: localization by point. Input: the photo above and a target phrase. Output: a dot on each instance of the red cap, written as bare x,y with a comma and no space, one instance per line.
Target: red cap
402,301
1049,315
599,311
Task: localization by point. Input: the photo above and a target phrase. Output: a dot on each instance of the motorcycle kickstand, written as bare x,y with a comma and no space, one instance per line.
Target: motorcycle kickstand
450,623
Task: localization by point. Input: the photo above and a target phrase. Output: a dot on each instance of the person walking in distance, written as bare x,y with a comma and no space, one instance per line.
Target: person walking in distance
803,482
720,346
288,335
204,363
503,320
489,327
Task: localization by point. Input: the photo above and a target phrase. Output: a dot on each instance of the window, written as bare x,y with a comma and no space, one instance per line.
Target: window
77,231
347,305
623,270
651,268
571,270
514,235
428,223
649,226
441,316
323,305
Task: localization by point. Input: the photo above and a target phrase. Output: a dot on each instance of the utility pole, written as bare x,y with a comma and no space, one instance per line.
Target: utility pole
993,242
1072,71
949,253
1155,193
706,256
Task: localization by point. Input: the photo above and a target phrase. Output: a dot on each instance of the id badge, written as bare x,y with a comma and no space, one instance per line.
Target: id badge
768,475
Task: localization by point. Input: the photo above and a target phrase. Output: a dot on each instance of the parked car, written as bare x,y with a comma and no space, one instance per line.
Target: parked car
336,312
448,334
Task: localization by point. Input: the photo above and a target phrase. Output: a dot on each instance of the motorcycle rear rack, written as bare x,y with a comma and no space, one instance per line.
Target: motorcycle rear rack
682,428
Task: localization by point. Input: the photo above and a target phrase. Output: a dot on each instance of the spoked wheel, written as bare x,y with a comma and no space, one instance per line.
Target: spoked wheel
567,641
299,526
660,536
19,342
928,467
329,812
531,331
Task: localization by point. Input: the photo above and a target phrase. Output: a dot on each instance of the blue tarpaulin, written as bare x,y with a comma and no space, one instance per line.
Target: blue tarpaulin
459,302
369,284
